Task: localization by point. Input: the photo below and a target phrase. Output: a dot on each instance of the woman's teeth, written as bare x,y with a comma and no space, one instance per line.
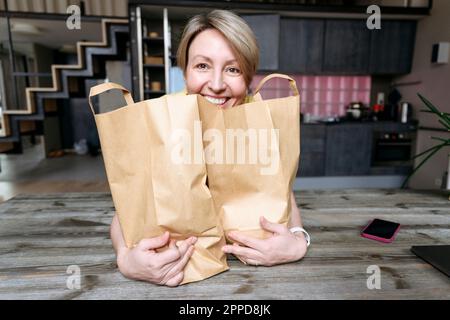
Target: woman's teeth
216,100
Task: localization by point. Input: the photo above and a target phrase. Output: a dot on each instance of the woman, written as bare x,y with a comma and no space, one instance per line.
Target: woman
219,56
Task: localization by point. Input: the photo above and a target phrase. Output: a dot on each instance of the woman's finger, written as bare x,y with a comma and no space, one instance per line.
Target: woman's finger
250,242
154,243
174,253
181,264
272,227
176,280
253,262
174,268
237,250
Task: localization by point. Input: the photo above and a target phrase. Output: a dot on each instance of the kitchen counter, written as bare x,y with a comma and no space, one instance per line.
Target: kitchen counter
42,235
412,125
348,148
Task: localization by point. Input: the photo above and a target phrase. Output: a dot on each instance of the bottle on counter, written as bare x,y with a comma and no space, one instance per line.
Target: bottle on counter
145,50
144,29
146,79
377,111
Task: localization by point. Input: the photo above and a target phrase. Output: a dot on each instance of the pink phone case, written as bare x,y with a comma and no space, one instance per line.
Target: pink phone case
370,236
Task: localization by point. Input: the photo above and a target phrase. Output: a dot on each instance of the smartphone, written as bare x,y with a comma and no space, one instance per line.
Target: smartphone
381,230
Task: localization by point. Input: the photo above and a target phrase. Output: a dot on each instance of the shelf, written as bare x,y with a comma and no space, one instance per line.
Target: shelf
153,66
153,39
154,92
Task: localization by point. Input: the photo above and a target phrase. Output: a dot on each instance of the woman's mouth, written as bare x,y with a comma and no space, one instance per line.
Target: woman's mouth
217,101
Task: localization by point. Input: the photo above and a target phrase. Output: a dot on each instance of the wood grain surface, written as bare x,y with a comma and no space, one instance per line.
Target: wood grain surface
42,235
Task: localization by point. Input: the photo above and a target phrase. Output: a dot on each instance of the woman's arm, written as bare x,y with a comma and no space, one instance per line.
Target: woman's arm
143,262
117,238
296,220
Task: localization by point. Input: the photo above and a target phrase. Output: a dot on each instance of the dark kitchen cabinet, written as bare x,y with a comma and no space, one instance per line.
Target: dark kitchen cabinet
347,47
267,31
392,47
348,149
301,45
312,150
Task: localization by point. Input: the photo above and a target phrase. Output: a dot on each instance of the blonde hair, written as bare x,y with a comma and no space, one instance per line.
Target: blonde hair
234,29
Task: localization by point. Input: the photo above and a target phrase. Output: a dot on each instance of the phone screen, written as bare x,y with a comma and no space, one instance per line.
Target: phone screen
381,228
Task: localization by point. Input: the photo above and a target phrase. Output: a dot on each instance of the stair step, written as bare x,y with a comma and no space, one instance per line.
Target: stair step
21,111
27,126
6,146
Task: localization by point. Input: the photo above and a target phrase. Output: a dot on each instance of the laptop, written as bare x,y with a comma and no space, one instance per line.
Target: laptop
438,256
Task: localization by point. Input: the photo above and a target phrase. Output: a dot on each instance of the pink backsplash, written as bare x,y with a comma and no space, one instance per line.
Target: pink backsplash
320,95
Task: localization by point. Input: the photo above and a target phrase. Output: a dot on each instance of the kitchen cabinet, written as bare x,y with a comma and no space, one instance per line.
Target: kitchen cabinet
392,47
267,31
301,45
331,46
346,47
348,149
312,150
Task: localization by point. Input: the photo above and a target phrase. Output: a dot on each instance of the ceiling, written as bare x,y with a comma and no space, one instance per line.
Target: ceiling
116,8
53,33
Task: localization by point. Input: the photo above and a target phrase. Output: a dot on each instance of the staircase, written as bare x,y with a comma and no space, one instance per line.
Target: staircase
67,81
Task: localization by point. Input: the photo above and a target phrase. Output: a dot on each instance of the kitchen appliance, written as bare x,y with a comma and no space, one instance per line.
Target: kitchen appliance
405,112
357,111
391,109
389,113
392,148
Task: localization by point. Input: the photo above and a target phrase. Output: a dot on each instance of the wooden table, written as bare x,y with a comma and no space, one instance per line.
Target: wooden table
42,235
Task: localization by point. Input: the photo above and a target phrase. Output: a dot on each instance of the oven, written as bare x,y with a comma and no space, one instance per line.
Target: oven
392,148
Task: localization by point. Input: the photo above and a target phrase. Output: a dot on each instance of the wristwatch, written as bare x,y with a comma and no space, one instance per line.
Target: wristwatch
294,230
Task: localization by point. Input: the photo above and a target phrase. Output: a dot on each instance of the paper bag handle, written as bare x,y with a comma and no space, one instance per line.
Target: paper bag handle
98,89
292,84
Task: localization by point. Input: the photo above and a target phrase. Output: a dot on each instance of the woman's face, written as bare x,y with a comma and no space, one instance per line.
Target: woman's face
213,71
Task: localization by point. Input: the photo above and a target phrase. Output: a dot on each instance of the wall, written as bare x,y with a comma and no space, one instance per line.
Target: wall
322,96
82,125
434,85
118,72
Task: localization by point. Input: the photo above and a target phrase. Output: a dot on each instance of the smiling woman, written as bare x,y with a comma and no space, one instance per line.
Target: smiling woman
219,56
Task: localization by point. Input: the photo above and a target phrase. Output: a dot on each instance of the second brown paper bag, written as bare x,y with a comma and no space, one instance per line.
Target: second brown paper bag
252,153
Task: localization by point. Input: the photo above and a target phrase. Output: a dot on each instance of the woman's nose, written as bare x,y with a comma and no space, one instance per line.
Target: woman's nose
216,83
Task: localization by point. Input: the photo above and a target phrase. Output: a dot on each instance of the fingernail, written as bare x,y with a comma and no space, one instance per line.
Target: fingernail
231,234
225,249
193,240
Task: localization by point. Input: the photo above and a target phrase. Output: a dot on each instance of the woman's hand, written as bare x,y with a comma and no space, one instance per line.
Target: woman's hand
282,247
165,268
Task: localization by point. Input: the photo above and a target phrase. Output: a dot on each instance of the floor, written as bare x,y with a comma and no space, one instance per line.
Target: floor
31,172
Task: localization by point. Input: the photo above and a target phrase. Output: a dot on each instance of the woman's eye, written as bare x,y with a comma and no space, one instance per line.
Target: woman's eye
234,70
202,66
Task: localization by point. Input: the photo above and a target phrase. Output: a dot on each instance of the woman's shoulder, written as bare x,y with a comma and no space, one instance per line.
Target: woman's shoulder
248,99
180,93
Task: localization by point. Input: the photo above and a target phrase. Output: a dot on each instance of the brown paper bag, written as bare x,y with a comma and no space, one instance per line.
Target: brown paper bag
252,177
151,192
